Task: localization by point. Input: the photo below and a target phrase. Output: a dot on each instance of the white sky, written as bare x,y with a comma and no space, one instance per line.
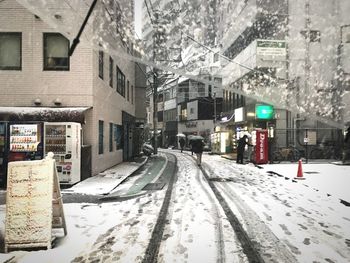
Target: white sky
138,18
289,219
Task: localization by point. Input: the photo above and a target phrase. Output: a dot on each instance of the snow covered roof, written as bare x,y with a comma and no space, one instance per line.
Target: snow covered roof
62,114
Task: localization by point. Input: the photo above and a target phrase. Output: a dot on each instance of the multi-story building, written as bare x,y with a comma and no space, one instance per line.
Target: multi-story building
292,55
178,95
94,84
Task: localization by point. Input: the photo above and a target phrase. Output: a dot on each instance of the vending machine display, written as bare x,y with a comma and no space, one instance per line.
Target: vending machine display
64,140
24,137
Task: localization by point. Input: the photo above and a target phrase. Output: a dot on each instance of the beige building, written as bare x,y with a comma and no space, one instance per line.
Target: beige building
36,72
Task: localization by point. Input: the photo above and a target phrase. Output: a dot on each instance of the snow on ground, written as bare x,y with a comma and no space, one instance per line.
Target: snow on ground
326,177
105,182
313,226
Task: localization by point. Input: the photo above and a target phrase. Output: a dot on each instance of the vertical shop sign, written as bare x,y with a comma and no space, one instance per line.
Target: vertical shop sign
261,148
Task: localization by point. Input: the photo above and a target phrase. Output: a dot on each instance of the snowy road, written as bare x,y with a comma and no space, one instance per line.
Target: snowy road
197,229
285,220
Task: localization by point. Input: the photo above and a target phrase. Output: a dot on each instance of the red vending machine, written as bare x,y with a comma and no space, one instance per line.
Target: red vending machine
261,147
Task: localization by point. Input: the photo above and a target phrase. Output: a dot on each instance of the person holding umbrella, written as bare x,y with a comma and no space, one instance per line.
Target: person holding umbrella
182,143
197,148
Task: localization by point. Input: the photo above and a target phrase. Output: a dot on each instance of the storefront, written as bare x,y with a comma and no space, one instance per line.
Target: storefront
245,121
29,133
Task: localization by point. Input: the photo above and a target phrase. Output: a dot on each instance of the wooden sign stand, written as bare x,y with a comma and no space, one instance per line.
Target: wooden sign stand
58,219
33,204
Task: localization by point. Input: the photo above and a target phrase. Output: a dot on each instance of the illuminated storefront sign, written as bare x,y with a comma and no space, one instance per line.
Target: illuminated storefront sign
239,114
264,112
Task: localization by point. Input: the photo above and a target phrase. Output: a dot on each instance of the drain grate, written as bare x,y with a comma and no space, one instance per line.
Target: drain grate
311,172
154,186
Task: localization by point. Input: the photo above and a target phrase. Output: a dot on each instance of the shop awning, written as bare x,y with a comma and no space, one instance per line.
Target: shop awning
76,114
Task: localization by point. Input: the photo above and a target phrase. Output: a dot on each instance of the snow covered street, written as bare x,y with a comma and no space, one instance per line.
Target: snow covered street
286,220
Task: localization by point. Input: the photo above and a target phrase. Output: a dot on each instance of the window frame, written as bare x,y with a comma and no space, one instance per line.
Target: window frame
111,129
45,66
128,90
111,67
120,82
100,63
100,136
19,68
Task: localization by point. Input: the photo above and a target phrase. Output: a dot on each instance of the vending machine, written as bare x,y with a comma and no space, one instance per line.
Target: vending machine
25,141
64,140
3,153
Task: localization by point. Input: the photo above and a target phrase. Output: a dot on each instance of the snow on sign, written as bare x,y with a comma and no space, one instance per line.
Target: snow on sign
32,185
271,48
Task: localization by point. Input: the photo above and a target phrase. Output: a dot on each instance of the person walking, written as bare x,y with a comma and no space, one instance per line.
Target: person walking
242,142
346,153
197,148
182,143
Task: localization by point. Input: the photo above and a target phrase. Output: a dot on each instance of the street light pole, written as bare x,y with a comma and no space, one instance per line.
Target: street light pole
214,96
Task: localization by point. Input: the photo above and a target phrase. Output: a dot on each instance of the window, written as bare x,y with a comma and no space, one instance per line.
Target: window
56,49
128,90
132,94
160,116
111,71
100,64
10,51
111,137
120,82
201,89
100,137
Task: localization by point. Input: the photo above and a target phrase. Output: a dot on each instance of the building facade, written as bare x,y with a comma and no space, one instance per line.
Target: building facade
290,54
36,72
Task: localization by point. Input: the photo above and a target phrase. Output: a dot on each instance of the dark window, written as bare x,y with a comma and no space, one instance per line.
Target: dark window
120,82
56,49
111,71
100,137
11,51
209,89
132,94
100,64
111,137
128,90
160,116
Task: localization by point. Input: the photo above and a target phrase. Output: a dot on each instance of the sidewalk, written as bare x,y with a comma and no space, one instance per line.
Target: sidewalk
106,181
326,176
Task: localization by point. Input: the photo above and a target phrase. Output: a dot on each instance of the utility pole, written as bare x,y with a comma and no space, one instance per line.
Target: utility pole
155,84
214,96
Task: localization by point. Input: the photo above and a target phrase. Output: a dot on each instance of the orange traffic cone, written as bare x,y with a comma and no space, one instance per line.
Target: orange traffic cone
300,171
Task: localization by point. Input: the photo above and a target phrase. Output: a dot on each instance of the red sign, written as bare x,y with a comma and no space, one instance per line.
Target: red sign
261,147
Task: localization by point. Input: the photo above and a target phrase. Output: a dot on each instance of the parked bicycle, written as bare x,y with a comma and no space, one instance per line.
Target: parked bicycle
325,152
290,153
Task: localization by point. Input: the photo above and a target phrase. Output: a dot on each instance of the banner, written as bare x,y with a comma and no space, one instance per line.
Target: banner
261,148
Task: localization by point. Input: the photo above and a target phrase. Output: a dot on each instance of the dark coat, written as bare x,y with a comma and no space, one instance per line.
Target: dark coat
347,136
182,142
242,142
197,146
